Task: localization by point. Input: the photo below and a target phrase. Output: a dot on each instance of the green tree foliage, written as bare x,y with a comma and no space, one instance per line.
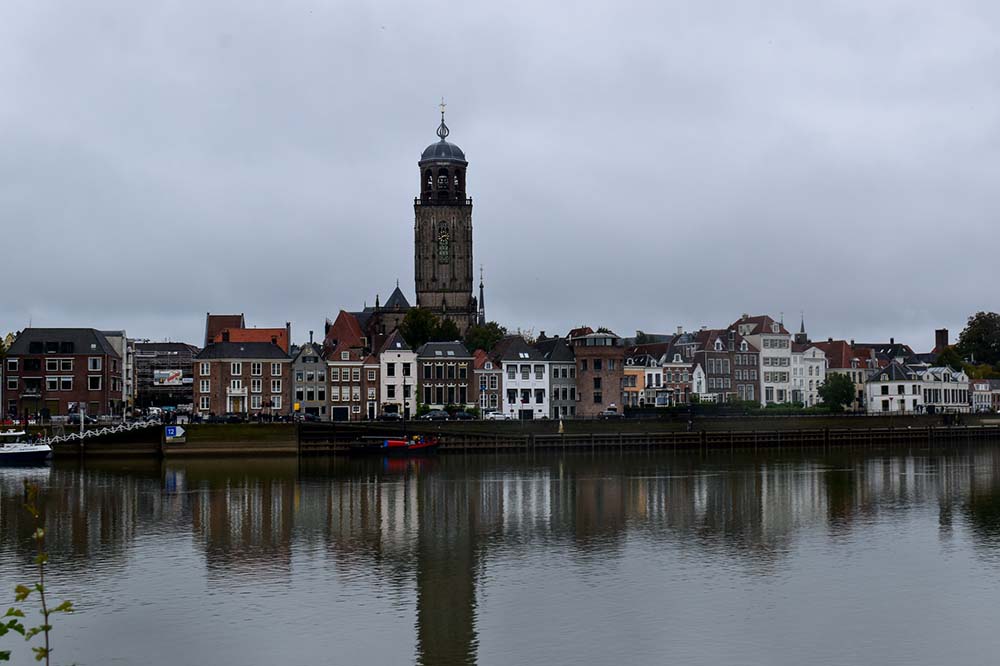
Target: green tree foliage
980,341
484,337
641,338
446,331
421,325
418,326
837,391
949,357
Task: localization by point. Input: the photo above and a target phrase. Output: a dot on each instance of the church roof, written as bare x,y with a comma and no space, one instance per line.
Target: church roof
442,151
397,300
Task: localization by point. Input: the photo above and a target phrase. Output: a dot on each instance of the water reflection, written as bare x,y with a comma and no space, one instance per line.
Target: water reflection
432,528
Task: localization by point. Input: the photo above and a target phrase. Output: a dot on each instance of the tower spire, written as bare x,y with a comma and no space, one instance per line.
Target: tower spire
481,315
442,128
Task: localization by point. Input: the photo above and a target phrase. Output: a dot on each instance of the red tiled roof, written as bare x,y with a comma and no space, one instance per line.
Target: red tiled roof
344,331
214,324
763,323
278,336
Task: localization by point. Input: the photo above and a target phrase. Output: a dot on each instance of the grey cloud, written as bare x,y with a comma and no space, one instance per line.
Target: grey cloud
636,164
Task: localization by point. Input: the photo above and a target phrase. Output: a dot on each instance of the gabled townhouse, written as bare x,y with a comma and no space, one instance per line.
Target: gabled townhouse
345,350
600,362
398,376
775,345
894,389
562,375
488,377
58,371
249,378
309,384
981,396
682,377
445,371
525,371
808,373
371,386
945,390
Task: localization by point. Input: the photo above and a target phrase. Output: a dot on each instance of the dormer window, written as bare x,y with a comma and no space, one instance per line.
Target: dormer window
488,365
774,327
345,356
885,378
743,346
677,358
718,345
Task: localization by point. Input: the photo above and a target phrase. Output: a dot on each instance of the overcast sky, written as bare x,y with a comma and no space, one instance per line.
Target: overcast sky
639,165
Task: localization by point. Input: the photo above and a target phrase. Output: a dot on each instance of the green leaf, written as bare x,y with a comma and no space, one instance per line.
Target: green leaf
16,626
21,593
39,534
64,607
14,612
40,653
31,633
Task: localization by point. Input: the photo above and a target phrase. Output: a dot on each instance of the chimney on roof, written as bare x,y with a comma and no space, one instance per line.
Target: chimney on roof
288,335
829,339
892,341
940,339
310,337
680,330
852,343
225,335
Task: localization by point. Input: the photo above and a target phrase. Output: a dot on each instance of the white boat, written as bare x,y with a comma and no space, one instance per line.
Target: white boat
16,450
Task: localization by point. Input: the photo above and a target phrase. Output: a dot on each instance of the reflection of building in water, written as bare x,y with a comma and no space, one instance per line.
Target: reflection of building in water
427,530
245,521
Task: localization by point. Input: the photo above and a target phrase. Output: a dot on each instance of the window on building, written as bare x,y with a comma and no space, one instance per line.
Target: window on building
494,382
275,386
406,369
597,383
300,394
390,392
204,386
539,396
598,397
204,403
390,369
256,385
256,369
93,363
276,369
66,384
11,383
511,372
583,365
236,384
12,365
356,374
235,368
345,356
371,375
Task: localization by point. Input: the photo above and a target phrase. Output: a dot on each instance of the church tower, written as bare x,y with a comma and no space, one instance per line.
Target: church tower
443,233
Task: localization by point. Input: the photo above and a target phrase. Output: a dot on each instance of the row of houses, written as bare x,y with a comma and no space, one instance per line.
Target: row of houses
362,371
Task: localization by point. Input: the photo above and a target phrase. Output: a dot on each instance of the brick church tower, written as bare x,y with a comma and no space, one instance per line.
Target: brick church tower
443,234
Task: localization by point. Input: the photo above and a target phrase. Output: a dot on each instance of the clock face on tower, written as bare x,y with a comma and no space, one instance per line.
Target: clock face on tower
444,244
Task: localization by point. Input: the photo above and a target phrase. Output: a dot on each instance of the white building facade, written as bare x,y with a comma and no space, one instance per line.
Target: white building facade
398,374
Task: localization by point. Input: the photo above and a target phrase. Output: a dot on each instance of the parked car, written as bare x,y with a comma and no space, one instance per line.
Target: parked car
435,415
462,416
610,414
496,416
391,416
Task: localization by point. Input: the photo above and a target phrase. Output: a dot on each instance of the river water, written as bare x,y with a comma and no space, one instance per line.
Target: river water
849,557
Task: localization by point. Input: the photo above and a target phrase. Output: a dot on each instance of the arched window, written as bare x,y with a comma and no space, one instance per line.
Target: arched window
428,180
442,179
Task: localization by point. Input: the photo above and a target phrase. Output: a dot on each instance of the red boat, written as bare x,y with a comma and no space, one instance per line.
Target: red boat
415,445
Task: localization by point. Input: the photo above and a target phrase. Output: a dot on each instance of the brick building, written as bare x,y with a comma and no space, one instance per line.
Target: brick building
489,381
600,361
54,371
250,378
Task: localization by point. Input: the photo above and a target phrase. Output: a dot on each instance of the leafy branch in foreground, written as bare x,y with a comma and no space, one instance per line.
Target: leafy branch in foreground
13,619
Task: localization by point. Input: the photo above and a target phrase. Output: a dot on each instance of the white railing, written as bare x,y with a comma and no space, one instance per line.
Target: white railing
100,432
